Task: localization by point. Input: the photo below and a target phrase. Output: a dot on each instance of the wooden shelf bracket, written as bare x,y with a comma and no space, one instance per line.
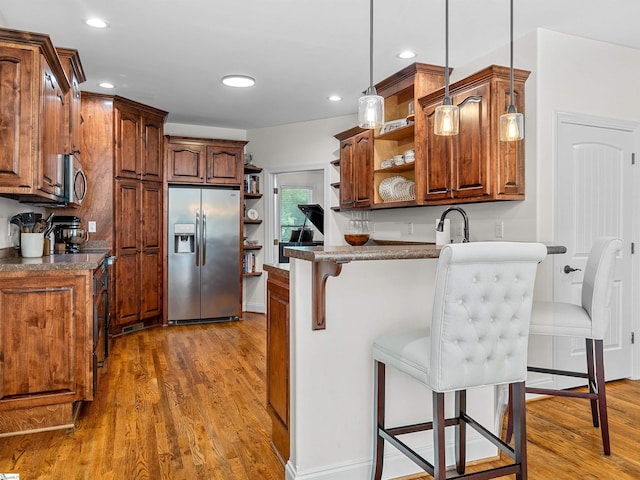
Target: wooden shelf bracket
321,272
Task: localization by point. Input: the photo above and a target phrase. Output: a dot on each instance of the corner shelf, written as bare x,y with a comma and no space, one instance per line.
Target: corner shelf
248,169
252,195
252,274
251,247
248,221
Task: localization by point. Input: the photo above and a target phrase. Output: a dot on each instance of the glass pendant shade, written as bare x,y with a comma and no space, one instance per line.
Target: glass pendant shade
447,120
511,126
512,122
371,110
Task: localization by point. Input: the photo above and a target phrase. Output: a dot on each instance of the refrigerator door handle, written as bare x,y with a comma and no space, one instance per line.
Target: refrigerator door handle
204,237
197,238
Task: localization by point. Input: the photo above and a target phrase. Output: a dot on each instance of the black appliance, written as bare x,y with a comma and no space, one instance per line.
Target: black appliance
68,230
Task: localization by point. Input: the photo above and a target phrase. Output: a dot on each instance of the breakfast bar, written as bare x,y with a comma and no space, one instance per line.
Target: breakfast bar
341,299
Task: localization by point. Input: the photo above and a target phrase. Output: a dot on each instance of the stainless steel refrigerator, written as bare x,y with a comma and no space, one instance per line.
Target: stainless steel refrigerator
204,254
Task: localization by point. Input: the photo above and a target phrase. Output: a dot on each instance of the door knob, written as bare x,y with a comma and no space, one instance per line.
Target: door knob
568,269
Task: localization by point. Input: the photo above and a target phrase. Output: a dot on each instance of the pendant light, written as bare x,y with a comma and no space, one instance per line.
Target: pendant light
447,117
370,105
512,122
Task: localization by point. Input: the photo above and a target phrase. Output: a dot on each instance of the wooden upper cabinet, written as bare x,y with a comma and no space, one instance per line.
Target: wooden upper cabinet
185,161
72,115
475,165
204,161
17,155
128,140
31,115
138,140
356,168
224,164
152,156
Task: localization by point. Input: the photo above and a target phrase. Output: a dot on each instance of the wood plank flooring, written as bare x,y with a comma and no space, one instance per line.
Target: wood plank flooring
177,403
188,402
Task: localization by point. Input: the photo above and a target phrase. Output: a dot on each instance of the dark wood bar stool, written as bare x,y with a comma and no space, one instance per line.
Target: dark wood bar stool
478,336
588,321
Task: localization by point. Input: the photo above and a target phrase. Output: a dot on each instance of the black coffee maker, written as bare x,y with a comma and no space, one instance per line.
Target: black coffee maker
69,231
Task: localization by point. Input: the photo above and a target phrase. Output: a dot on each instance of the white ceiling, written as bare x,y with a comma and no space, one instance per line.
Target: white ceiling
171,54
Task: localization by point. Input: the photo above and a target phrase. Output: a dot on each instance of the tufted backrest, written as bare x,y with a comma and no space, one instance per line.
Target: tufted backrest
481,313
597,282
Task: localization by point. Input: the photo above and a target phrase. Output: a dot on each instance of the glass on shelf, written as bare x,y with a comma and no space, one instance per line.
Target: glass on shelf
357,232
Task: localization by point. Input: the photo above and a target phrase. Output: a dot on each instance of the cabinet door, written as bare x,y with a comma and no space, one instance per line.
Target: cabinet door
509,167
152,160
127,142
278,361
347,173
185,162
150,217
471,154
127,205
363,169
16,103
437,160
51,178
150,286
224,165
42,352
127,288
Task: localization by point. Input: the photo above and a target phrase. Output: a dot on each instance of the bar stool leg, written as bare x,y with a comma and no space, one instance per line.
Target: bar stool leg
593,388
461,431
520,428
602,396
379,404
439,446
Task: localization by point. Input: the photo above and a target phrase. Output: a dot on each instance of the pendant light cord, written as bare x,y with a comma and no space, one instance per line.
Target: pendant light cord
511,69
371,45
446,49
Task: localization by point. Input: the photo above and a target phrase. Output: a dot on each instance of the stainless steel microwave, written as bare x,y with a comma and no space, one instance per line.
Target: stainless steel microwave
75,181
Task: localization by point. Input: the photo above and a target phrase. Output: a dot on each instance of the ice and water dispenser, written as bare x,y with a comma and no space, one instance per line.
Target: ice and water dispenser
184,237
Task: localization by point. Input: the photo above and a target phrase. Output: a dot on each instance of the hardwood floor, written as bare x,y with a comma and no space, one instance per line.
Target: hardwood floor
562,443
178,403
184,403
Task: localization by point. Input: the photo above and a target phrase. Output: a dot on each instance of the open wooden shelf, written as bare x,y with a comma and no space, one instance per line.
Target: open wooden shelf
252,169
251,247
248,221
252,195
252,274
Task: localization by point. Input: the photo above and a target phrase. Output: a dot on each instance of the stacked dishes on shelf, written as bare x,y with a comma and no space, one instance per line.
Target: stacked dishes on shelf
397,189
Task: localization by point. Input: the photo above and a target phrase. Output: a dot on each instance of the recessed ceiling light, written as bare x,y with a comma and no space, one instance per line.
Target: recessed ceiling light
106,85
239,81
97,23
335,98
406,54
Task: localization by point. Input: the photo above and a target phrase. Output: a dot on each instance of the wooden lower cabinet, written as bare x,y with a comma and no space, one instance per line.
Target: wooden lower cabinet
46,348
278,366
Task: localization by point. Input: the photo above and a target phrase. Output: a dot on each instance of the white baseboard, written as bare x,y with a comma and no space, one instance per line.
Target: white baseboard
395,464
254,307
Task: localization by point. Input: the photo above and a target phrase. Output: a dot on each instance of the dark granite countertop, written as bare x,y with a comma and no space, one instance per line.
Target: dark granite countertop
343,254
67,261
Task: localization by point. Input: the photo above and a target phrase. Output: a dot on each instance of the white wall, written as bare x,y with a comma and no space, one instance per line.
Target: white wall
201,131
9,235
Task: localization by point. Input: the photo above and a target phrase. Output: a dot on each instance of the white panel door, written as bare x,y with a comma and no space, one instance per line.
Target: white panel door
594,198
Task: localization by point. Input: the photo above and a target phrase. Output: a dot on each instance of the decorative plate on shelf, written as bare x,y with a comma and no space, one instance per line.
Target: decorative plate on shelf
252,214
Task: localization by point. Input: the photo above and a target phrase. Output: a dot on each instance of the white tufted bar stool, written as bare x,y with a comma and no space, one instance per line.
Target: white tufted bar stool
477,337
589,321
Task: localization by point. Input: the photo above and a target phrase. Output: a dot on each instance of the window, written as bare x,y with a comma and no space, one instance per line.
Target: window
290,215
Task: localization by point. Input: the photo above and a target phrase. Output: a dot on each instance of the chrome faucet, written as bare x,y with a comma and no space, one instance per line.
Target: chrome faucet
440,226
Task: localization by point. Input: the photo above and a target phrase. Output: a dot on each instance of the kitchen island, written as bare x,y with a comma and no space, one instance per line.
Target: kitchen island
52,319
341,299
